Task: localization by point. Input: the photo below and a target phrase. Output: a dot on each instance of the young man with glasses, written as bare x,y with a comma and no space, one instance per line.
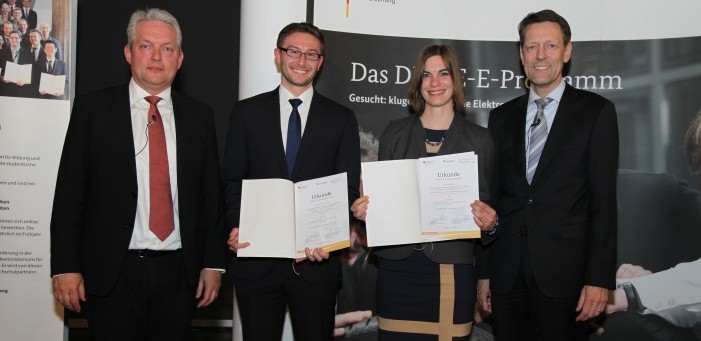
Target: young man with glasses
292,132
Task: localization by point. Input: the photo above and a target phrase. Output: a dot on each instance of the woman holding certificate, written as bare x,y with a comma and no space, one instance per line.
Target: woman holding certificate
427,290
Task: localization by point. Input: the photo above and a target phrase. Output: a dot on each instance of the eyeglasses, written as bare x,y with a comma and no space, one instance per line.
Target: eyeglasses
313,56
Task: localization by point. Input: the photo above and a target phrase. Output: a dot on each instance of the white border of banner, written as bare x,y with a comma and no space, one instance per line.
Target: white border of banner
31,138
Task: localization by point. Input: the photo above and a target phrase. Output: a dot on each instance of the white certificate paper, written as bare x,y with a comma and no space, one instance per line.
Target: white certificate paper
17,73
448,184
51,84
280,218
322,213
407,207
393,215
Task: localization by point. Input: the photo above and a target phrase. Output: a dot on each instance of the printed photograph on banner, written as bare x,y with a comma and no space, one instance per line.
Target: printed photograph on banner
35,50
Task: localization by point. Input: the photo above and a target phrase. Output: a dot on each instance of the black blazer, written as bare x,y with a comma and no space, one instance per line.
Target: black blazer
32,19
95,201
12,89
25,57
568,213
404,139
254,150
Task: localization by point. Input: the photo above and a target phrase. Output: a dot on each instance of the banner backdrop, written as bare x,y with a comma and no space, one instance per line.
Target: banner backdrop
646,58
32,128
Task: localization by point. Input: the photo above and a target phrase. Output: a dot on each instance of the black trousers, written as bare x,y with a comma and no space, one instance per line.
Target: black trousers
152,300
263,302
525,313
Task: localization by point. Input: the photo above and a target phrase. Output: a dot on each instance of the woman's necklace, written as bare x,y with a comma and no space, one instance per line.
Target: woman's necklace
433,146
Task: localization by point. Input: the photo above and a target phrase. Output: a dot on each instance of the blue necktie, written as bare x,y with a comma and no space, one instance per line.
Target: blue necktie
537,136
294,135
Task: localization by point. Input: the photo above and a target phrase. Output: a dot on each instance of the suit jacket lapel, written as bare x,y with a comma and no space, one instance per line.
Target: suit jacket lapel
559,129
271,111
182,119
520,134
417,139
121,114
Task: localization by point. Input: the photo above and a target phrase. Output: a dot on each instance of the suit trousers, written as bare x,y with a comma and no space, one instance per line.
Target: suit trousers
151,300
264,301
525,313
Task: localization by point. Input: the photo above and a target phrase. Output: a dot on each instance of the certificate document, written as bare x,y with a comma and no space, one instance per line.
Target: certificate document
280,218
51,84
414,201
17,73
448,185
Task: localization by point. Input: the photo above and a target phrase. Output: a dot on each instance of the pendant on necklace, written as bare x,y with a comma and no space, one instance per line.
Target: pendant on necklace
433,147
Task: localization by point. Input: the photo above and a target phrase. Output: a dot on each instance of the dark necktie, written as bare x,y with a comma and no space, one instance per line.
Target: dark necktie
294,135
51,70
161,220
537,136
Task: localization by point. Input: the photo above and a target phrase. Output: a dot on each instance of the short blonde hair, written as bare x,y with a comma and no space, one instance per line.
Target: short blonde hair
152,14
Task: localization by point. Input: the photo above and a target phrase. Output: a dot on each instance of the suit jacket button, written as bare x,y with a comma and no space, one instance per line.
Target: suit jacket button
132,194
127,226
530,201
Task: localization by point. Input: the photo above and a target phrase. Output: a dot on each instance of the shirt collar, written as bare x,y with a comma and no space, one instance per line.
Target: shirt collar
306,96
137,93
556,94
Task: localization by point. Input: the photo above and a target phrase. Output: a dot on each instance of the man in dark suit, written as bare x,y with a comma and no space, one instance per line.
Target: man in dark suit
18,55
22,28
135,229
52,66
557,147
29,14
7,27
35,48
15,16
265,133
12,4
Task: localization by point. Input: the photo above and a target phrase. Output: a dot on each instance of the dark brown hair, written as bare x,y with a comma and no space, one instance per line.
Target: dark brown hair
545,15
450,58
301,27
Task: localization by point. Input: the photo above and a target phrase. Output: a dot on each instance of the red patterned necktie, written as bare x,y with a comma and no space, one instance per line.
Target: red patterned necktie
161,220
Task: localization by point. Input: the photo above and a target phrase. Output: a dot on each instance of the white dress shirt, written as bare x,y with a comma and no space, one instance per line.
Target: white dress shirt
142,237
549,111
286,110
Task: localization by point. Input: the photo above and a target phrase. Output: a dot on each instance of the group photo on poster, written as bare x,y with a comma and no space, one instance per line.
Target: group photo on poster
28,67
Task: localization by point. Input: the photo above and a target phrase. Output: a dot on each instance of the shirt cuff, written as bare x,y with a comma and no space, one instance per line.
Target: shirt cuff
215,269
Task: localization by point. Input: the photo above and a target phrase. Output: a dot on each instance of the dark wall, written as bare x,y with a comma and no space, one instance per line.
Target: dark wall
209,71
210,43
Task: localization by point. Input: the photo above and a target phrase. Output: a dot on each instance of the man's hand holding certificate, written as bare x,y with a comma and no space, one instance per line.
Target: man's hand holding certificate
422,200
281,219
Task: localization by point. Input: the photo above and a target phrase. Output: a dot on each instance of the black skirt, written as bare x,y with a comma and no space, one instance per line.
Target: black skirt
420,300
